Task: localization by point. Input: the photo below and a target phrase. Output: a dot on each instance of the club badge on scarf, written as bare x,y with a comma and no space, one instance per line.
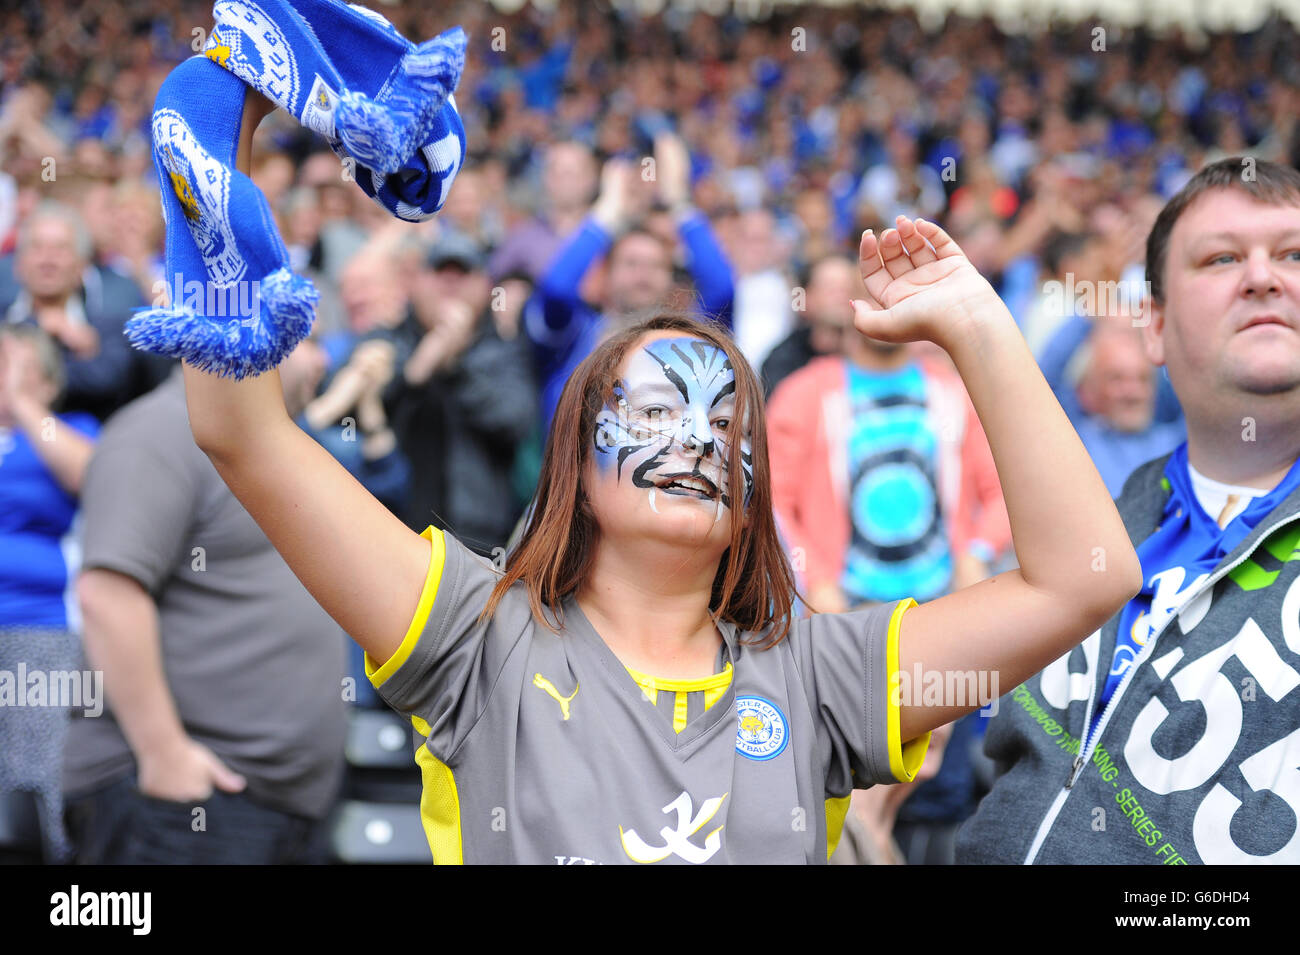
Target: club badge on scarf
345,72
235,306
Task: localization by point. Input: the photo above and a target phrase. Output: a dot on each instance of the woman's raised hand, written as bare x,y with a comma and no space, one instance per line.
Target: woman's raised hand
920,286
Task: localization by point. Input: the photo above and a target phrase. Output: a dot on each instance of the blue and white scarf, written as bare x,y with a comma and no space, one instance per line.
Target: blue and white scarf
345,72
234,306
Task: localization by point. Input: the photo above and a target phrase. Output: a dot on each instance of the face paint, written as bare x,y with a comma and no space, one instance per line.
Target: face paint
672,419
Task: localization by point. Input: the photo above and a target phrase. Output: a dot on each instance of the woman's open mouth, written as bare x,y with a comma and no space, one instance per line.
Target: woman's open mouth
690,485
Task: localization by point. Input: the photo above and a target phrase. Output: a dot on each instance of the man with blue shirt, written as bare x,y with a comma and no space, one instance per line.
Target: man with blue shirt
638,271
1114,404
1172,734
43,458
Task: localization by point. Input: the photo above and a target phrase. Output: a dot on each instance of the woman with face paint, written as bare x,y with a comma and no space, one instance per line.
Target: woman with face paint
634,687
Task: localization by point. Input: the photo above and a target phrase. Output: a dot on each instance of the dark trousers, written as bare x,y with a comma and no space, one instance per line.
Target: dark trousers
118,825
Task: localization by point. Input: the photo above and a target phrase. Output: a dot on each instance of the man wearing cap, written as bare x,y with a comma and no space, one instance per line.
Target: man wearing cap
464,400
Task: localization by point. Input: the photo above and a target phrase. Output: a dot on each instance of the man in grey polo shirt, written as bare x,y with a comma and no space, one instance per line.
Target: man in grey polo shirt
223,738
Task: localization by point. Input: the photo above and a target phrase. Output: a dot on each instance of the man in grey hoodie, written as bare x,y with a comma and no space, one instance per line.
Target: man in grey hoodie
1172,734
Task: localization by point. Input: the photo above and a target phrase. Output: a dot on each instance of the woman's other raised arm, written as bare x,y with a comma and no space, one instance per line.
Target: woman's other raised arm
1077,565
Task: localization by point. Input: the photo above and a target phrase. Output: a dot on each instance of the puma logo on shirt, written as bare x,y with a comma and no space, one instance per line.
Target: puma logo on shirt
547,687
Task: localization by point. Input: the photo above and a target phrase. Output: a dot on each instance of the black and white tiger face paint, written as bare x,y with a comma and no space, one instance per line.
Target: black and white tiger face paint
674,415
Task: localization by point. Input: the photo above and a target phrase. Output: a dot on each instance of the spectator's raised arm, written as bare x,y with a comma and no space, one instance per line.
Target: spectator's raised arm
705,259
709,268
557,289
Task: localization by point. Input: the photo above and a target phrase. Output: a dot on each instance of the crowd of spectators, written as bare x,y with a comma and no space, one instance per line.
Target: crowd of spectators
619,163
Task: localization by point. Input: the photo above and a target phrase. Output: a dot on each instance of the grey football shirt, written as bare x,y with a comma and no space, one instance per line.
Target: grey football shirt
544,748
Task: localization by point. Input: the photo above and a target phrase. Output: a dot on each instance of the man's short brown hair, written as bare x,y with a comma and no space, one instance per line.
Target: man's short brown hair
1262,180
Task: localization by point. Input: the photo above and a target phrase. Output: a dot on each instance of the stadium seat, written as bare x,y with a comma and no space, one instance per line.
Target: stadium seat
378,739
378,817
380,833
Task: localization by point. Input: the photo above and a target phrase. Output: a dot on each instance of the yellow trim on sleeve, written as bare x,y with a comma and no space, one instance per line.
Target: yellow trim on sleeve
437,558
913,756
440,809
836,810
904,760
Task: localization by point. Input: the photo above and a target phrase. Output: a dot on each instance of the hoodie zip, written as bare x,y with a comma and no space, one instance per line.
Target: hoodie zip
1092,739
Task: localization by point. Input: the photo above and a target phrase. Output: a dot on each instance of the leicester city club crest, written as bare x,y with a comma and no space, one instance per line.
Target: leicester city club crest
249,43
762,730
202,186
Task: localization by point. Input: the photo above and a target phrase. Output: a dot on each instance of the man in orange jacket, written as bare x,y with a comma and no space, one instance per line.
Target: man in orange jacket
882,479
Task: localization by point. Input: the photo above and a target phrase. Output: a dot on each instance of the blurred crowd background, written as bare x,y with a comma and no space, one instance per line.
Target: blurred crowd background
617,163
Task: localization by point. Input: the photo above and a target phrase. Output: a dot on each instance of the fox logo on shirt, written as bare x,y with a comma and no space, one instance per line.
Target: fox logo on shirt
677,841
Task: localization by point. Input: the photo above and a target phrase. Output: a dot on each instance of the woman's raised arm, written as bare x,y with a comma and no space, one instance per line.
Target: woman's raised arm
363,565
1077,566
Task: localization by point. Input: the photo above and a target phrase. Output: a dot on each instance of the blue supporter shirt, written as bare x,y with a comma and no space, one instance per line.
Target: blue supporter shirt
38,551
1116,454
1177,558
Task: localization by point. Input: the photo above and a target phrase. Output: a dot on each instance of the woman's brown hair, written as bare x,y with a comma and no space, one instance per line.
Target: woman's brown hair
754,587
